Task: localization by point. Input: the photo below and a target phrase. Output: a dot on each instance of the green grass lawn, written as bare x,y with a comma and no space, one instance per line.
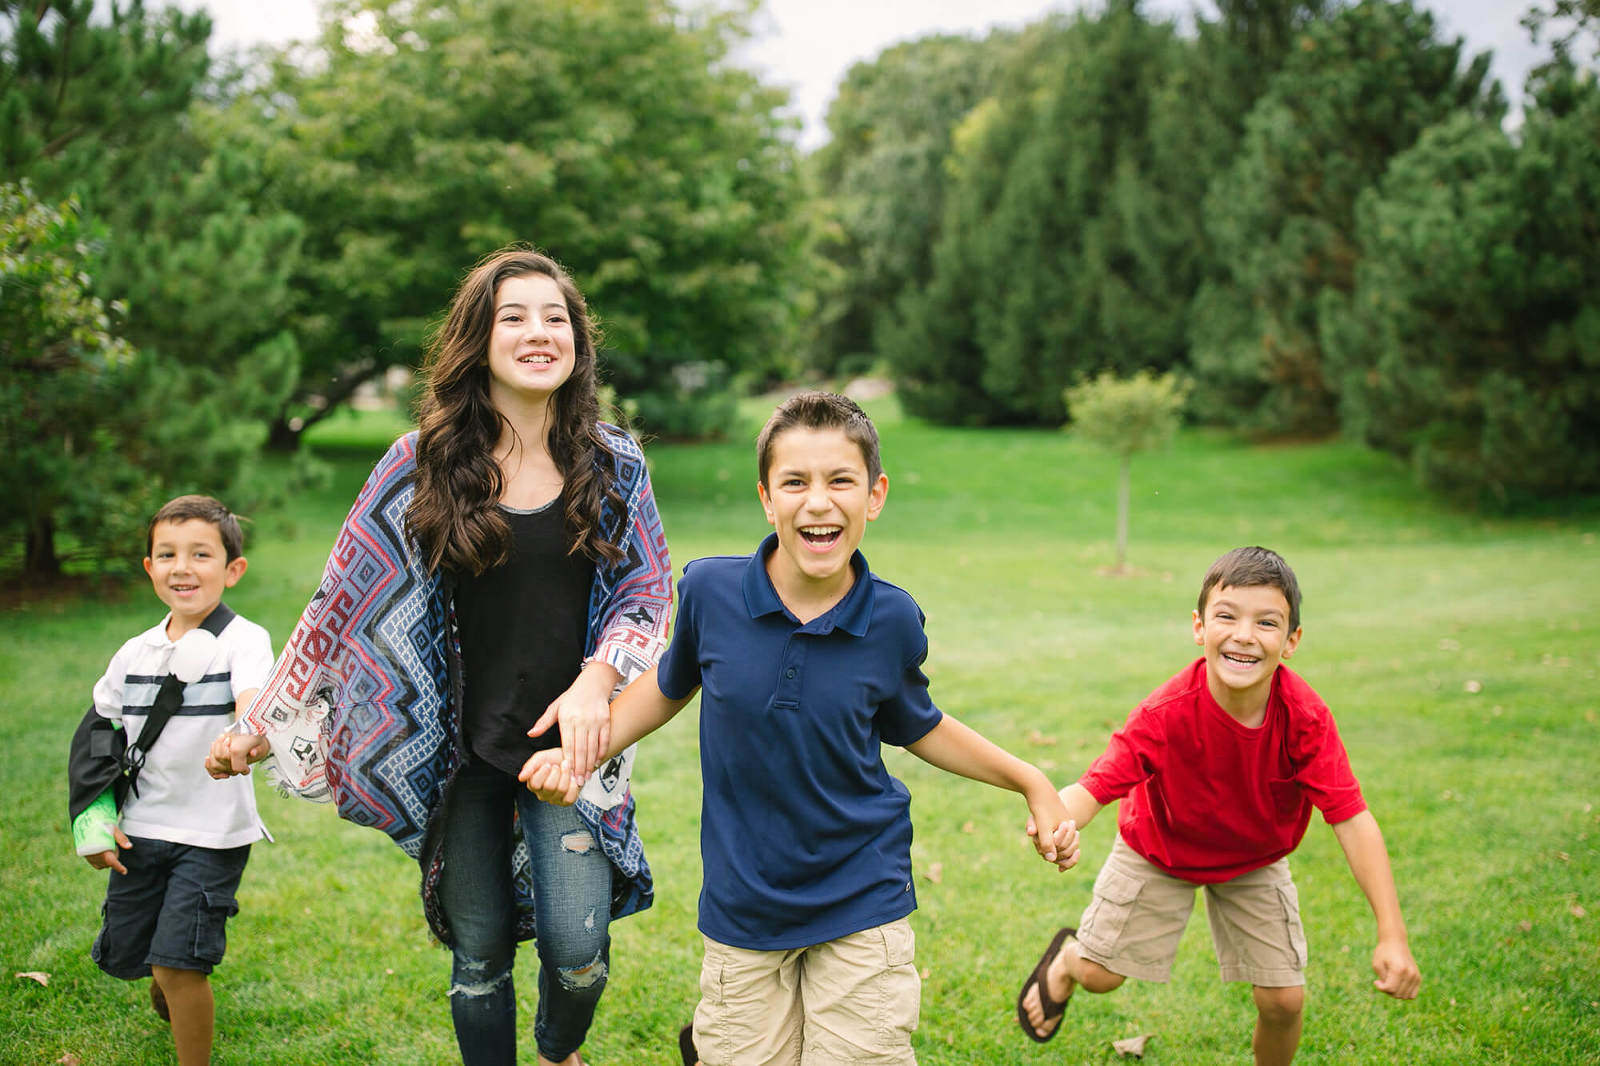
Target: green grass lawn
1459,653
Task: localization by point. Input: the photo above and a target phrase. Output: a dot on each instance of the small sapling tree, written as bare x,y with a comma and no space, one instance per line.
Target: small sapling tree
1126,415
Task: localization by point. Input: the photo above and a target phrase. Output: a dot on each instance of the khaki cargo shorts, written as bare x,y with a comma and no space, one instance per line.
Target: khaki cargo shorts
1139,911
854,1000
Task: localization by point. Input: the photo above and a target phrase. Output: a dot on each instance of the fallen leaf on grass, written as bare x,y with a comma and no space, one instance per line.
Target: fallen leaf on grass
69,1059
35,975
1525,925
1473,686
968,827
1041,740
936,872
1133,1045
1578,911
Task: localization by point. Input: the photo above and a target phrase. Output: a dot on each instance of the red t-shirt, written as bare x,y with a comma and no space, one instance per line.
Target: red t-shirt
1206,798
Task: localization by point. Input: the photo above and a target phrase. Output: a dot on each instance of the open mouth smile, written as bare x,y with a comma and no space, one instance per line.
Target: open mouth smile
821,538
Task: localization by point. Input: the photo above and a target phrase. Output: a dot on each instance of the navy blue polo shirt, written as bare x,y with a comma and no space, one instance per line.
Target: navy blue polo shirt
805,836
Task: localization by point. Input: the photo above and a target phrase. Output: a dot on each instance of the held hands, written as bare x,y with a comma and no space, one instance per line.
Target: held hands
111,860
232,753
1398,974
584,715
1059,845
549,776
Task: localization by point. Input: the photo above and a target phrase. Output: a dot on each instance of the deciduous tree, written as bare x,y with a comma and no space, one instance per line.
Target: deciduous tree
415,137
1126,416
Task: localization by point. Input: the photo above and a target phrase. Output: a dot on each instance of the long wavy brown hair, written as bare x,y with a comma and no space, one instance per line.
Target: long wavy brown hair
454,516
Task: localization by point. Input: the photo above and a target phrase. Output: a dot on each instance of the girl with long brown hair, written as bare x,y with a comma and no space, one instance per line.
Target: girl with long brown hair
501,574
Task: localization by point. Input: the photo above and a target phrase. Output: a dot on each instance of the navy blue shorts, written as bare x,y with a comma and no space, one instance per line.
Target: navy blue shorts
170,909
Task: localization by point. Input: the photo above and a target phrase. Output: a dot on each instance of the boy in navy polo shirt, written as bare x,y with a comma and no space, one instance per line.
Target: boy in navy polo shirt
807,663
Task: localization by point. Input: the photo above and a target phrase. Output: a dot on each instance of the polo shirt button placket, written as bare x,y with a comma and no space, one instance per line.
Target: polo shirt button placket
790,672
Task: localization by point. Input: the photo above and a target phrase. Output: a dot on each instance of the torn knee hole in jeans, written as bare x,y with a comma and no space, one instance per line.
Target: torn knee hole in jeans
583,976
578,842
474,978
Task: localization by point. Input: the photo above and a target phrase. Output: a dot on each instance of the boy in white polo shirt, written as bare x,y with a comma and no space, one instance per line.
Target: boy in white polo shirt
179,843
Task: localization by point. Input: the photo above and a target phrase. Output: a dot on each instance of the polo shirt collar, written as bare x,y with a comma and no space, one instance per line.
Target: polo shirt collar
156,635
852,614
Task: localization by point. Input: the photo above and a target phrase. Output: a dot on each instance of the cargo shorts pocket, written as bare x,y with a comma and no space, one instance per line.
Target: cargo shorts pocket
899,984
1289,896
1106,918
102,949
211,925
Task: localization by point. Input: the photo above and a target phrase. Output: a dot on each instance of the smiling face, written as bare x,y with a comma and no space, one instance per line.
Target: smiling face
1245,632
531,347
189,569
819,497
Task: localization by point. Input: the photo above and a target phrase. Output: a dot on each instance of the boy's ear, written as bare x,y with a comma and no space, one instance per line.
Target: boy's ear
1199,628
147,564
1291,642
766,504
230,576
877,496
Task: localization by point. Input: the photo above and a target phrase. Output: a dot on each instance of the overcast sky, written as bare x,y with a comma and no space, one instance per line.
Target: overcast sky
808,45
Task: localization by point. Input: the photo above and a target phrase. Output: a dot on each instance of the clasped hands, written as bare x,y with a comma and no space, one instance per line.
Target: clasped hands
583,712
232,753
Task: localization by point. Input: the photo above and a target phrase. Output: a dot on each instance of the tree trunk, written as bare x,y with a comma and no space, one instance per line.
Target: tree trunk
284,433
281,437
1122,514
39,549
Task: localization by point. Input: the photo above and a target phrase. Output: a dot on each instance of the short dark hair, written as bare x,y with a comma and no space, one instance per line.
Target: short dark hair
206,509
821,410
1253,566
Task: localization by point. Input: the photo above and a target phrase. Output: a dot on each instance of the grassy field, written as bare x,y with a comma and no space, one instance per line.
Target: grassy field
1459,653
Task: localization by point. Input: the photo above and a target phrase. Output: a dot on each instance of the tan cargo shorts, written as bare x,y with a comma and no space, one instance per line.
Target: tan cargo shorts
1137,916
851,1000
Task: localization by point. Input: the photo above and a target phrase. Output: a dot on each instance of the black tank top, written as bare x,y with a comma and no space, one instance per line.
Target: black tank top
522,627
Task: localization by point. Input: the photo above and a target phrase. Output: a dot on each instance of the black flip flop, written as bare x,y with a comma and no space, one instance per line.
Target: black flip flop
1036,979
691,1057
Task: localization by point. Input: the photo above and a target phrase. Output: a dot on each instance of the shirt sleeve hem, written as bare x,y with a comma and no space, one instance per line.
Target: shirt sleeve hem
1102,797
1344,812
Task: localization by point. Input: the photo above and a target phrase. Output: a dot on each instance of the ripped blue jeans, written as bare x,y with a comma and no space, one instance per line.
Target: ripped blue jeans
572,902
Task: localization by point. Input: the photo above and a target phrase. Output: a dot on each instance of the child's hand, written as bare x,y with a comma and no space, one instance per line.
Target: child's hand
111,860
1058,844
232,753
549,776
1398,974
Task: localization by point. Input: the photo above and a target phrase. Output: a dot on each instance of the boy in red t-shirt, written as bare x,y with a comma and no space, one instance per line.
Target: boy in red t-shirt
1218,770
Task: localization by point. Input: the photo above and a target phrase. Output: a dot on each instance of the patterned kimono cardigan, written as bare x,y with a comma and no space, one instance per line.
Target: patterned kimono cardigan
362,707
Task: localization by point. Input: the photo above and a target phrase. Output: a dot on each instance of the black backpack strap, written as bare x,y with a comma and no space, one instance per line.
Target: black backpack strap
168,699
